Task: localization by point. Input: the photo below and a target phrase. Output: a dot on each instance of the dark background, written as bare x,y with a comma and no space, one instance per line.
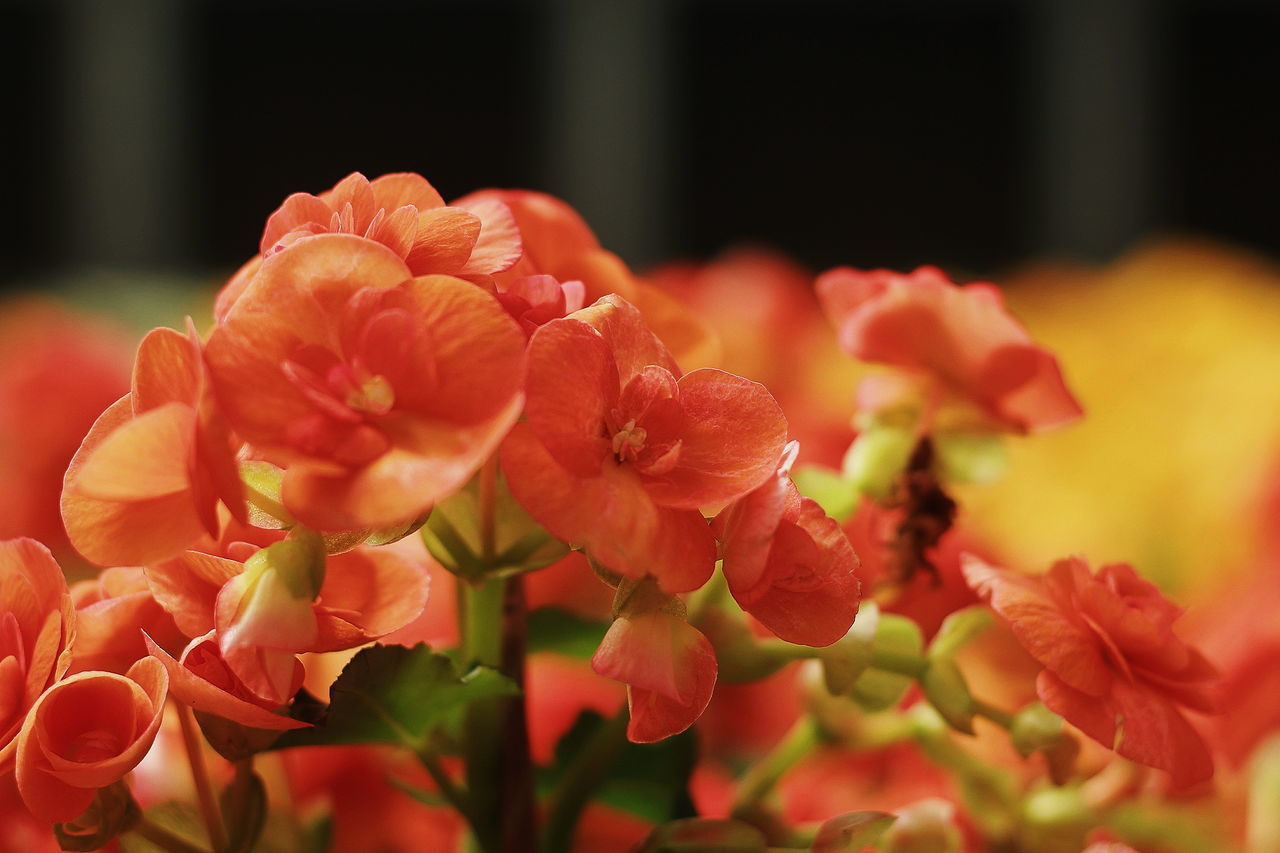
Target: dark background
157,135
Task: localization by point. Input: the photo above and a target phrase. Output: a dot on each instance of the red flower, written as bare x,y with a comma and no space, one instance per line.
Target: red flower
404,213
86,732
557,242
960,341
378,392
787,563
619,449
147,480
37,623
1113,666
668,666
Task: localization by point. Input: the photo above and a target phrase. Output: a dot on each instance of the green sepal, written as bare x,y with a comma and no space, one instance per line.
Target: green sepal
970,457
877,456
453,534
837,496
944,686
959,629
845,660
879,689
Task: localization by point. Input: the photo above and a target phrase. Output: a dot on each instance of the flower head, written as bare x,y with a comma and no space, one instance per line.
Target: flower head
1113,666
960,343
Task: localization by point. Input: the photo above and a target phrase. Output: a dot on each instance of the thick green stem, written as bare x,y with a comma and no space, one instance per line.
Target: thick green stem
1000,717
798,742
499,769
580,781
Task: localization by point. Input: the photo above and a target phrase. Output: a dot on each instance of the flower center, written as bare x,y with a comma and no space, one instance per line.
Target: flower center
629,441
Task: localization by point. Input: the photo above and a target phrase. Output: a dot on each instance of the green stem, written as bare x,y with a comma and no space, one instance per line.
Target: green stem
580,781
164,838
798,742
913,666
999,716
499,767
200,774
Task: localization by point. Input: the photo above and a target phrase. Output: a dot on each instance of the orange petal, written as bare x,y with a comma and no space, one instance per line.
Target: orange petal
299,211
146,457
733,434
446,238
498,247
190,689
397,189
167,370
367,594
573,381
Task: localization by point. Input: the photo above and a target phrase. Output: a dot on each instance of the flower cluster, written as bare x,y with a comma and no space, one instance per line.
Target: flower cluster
592,496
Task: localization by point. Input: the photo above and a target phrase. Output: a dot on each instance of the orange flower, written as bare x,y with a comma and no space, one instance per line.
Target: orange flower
258,626
378,392
203,680
86,732
148,478
1113,666
557,242
787,563
619,449
668,666
404,213
37,622
112,612
960,342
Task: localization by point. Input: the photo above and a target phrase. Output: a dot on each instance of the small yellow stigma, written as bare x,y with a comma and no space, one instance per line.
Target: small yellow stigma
374,396
629,441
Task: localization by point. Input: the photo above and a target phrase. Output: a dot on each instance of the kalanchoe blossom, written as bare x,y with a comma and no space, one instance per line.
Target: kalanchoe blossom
787,563
557,242
112,612
404,213
669,667
537,299
960,342
86,732
619,449
37,624
149,477
245,605
1114,668
378,392
202,679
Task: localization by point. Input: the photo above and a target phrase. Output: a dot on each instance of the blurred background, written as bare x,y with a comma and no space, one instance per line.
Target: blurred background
155,136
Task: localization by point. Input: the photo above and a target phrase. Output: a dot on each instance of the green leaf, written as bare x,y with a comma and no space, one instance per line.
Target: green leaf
945,688
398,695
850,833
554,630
650,780
845,660
973,457
958,629
876,458
837,496
878,689
699,835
